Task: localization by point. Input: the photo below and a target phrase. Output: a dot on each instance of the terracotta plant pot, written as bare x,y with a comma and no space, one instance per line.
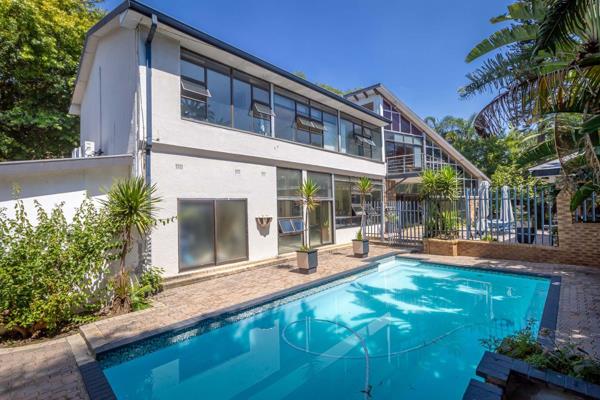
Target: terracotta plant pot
360,247
307,261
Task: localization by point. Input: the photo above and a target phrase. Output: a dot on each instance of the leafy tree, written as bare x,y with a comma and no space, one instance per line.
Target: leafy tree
487,154
564,93
513,176
40,45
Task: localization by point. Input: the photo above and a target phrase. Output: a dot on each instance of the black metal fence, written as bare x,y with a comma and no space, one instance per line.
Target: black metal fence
515,215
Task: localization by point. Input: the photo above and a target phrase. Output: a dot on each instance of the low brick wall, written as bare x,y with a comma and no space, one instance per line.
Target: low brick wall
578,243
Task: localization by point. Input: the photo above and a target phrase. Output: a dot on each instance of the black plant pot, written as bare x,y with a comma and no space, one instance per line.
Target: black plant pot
526,234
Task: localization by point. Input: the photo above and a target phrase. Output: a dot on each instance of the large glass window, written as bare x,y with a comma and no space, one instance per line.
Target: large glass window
251,104
209,89
360,139
285,115
320,219
299,120
330,135
348,210
219,103
289,210
212,232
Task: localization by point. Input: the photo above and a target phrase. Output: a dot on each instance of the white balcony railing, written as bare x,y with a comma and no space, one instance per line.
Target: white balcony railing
408,163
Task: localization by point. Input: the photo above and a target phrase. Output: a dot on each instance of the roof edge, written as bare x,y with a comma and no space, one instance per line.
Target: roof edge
389,95
197,34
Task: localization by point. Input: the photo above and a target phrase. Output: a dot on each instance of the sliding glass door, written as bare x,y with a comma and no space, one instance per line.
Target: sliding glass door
212,232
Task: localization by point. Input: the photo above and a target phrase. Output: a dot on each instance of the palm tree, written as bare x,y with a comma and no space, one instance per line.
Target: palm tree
440,189
515,63
308,193
364,186
567,95
131,206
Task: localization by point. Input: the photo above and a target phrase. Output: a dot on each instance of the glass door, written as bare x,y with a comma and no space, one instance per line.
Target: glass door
212,232
320,224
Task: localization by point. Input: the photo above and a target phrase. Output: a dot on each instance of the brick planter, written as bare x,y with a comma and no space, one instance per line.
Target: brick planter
440,247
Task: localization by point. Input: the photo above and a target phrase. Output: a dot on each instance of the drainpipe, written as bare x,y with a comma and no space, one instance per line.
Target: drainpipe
149,97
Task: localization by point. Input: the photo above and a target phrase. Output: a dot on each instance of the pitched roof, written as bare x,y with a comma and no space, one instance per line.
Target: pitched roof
436,137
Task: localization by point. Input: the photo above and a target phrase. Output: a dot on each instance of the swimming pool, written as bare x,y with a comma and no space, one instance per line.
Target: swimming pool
401,329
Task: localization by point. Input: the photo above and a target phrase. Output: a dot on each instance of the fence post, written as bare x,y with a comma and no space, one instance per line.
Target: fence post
381,220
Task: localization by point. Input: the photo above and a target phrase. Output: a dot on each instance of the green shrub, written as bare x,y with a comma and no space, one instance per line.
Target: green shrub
54,269
566,358
152,279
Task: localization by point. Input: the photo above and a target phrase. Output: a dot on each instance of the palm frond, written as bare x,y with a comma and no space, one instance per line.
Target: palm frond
497,72
568,90
503,37
564,17
538,153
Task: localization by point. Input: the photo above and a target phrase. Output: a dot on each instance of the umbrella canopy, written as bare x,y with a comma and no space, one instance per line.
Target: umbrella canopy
483,194
506,211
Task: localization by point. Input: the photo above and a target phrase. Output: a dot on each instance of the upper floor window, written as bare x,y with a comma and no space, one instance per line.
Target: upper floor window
360,139
251,104
304,121
399,122
215,93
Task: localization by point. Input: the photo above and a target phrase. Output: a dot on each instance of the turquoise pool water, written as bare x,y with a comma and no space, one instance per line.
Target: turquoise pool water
404,329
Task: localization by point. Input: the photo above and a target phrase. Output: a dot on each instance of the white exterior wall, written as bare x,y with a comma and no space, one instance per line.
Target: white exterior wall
202,178
211,154
52,187
108,109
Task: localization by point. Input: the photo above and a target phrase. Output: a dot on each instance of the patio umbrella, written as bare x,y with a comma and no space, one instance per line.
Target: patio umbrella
506,211
483,194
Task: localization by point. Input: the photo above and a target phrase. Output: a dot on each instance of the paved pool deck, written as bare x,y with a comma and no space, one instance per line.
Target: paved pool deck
49,370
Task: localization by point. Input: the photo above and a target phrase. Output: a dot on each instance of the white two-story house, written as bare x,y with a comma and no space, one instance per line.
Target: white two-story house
226,137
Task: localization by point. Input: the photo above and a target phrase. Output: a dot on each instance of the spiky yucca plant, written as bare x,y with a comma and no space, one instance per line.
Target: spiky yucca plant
131,205
308,193
364,186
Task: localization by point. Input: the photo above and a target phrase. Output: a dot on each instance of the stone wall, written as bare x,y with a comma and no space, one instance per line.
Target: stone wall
578,243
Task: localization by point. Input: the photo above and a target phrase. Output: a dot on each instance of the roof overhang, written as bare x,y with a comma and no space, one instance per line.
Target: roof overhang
436,137
131,14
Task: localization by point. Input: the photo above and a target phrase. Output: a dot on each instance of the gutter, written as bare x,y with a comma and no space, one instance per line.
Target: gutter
148,146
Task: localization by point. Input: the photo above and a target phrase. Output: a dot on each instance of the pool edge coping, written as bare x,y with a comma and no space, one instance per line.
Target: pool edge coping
98,387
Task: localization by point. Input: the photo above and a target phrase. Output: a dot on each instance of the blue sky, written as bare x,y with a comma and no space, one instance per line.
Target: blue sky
415,48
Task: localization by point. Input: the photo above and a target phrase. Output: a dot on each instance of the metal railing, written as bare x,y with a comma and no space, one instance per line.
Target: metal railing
588,211
407,163
513,215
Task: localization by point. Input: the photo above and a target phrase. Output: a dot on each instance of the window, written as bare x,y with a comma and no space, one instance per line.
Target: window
320,226
251,104
360,139
304,121
289,210
348,211
209,89
211,232
219,103
330,131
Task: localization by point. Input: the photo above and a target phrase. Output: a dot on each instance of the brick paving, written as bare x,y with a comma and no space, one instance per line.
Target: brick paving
49,370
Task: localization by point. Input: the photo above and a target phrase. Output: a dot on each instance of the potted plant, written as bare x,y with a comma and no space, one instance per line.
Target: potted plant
307,257
360,245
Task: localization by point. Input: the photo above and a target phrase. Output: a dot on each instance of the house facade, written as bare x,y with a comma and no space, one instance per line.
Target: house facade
228,138
411,146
